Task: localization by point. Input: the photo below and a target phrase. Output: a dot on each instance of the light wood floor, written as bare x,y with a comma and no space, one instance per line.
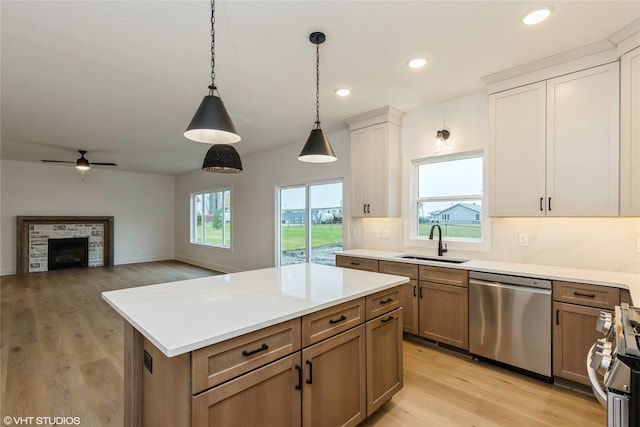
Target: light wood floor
62,356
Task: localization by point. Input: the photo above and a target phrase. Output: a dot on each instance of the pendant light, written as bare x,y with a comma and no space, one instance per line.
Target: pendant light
222,158
317,149
212,124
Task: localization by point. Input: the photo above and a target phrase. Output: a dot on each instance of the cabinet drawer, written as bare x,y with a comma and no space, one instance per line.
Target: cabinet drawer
583,294
383,302
398,268
333,320
220,362
447,276
365,264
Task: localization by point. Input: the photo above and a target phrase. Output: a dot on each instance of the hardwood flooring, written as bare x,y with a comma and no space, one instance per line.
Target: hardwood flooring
62,356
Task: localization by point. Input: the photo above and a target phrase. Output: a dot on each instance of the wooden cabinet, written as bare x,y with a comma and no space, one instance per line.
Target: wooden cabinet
576,308
630,133
334,381
320,369
444,302
384,359
375,163
357,263
409,296
554,146
272,390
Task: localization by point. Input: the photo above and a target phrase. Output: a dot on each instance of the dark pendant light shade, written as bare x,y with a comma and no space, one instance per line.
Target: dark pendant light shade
317,149
222,158
212,124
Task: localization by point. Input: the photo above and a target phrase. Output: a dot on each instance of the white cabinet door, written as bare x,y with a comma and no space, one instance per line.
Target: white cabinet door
359,172
583,143
517,151
630,133
375,179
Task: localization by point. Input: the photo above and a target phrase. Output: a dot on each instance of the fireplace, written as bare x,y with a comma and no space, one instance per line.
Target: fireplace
33,234
68,253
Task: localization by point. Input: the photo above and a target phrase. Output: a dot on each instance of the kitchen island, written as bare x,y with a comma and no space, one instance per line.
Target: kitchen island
294,345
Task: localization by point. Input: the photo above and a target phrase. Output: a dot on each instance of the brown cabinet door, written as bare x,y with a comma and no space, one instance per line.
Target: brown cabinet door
409,302
265,397
444,314
384,359
334,380
574,332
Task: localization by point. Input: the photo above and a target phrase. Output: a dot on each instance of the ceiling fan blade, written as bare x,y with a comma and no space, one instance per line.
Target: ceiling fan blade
56,161
103,164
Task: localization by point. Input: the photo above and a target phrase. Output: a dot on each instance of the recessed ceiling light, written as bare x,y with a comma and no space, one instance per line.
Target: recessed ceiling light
536,16
417,63
343,92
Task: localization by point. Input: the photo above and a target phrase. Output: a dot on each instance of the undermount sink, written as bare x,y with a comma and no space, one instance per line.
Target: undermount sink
433,258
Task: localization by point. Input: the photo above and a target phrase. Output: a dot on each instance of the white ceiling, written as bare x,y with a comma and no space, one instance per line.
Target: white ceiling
122,79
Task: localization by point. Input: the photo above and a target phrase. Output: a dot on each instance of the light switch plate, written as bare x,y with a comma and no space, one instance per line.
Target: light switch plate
638,245
523,239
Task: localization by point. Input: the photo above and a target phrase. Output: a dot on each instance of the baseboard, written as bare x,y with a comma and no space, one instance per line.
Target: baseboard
211,266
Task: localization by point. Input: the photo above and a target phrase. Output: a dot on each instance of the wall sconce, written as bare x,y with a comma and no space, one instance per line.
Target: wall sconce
442,135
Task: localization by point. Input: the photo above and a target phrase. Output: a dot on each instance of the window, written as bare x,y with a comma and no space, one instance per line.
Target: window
310,223
211,218
449,194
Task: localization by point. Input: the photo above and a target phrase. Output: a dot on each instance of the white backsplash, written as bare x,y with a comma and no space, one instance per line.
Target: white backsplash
592,243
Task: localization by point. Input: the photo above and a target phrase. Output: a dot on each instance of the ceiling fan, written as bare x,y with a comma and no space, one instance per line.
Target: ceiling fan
82,163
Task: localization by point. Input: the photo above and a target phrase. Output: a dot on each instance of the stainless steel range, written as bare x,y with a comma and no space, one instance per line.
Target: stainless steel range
613,365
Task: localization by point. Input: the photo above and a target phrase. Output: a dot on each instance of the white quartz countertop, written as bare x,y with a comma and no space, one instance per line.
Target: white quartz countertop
628,281
179,317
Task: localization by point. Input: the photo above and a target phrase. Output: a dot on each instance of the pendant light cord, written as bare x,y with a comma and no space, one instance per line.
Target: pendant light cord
317,85
213,87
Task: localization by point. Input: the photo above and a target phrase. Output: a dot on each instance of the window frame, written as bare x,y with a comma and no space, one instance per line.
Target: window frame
193,225
308,220
412,238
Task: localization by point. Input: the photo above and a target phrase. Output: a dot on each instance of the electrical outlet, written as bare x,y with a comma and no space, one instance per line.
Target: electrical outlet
376,233
148,362
523,239
386,234
638,245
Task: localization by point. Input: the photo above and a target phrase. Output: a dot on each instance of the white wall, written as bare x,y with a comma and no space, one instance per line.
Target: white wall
142,206
253,204
594,243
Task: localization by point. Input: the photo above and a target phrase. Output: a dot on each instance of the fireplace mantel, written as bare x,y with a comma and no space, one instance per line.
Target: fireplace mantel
22,235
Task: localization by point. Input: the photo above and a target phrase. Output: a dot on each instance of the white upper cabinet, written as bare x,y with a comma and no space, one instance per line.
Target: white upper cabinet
630,133
375,163
555,146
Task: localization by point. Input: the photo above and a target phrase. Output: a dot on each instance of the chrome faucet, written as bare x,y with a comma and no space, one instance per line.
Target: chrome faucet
442,247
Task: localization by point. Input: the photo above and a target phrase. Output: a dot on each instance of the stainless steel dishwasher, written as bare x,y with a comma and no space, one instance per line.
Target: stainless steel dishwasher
510,320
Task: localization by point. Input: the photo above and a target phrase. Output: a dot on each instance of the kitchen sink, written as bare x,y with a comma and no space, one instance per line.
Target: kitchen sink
433,258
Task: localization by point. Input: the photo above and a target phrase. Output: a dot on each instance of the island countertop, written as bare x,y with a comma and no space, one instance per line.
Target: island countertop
183,316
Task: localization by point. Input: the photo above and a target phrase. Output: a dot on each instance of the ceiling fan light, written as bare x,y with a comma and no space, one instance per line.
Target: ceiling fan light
222,158
317,149
82,164
211,124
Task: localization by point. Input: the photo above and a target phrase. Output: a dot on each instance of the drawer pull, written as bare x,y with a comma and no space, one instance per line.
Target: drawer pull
299,385
386,301
355,263
341,319
580,294
388,319
310,379
263,347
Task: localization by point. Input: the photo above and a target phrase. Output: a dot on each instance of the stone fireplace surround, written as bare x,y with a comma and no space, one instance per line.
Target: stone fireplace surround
101,227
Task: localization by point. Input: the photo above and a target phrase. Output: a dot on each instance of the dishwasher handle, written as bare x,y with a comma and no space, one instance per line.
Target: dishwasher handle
520,288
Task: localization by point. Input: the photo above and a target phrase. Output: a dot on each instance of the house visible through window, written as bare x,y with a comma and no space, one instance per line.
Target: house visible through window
449,194
211,218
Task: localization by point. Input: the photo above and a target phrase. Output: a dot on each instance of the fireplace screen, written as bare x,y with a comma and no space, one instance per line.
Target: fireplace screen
68,253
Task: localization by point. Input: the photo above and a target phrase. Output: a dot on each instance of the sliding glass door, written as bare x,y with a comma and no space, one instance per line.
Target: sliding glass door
310,223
